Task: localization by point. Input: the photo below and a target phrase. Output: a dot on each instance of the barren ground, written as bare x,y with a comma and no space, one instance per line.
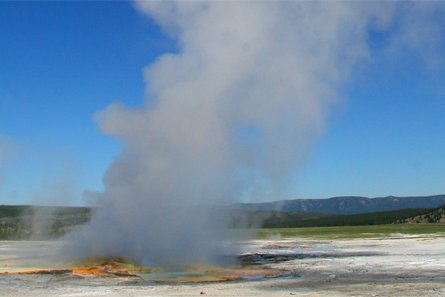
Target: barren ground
390,266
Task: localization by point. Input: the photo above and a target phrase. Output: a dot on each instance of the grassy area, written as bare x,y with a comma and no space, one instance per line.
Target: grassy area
350,231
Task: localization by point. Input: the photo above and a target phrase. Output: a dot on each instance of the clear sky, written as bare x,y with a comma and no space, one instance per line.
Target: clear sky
63,61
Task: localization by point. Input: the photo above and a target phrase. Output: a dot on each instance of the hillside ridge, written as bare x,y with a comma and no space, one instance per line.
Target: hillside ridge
436,215
346,204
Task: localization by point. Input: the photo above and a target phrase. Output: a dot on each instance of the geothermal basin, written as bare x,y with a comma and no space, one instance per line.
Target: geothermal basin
395,265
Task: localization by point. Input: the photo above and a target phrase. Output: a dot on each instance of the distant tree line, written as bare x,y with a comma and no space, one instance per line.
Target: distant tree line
44,222
275,219
40,222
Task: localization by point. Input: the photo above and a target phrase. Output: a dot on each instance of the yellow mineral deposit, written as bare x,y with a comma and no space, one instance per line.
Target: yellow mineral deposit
120,267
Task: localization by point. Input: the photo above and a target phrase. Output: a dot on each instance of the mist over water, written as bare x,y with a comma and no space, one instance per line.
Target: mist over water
231,114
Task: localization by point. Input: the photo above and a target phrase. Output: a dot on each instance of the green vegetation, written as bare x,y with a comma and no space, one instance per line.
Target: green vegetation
436,215
350,231
373,218
40,222
276,219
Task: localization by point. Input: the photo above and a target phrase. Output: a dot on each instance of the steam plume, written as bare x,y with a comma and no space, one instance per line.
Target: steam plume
240,102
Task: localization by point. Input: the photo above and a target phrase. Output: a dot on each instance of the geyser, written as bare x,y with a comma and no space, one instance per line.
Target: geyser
230,114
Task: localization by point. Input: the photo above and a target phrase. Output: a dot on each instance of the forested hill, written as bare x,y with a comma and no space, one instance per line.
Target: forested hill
436,215
346,204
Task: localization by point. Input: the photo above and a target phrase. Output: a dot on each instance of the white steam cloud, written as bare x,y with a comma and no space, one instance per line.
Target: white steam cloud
242,100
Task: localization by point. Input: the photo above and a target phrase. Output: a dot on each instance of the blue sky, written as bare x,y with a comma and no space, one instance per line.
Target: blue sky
62,62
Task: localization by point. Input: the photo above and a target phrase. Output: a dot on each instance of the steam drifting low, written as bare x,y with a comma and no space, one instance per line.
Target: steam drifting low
231,114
